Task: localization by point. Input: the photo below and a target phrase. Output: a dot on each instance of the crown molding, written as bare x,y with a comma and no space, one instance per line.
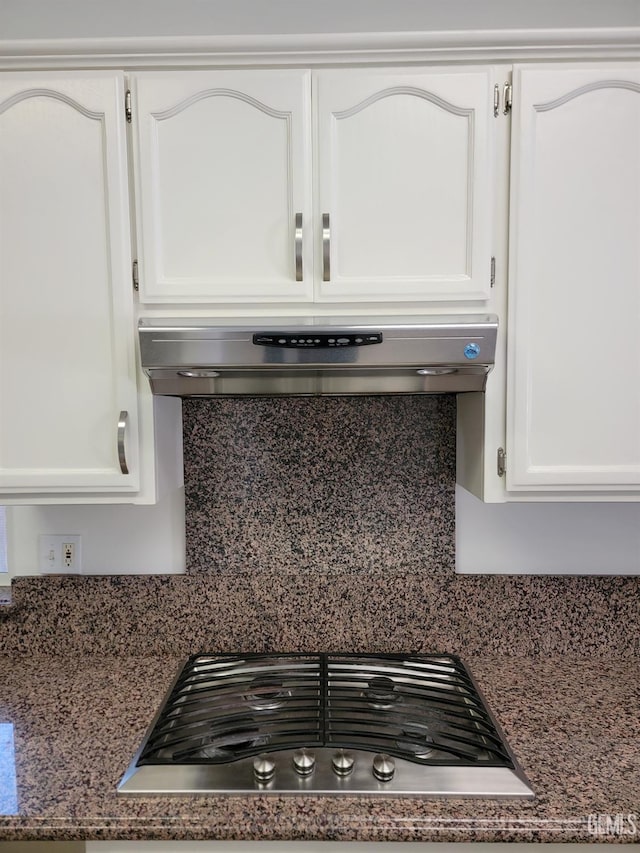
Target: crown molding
324,49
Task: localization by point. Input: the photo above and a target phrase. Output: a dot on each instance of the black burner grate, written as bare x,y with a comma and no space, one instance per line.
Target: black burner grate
423,708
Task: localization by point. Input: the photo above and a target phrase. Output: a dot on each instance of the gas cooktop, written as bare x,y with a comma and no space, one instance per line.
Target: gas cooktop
324,724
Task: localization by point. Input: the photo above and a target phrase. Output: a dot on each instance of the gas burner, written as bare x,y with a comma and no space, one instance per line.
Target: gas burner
266,693
422,734
422,743
230,747
381,693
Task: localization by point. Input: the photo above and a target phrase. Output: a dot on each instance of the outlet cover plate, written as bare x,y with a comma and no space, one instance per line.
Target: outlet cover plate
51,553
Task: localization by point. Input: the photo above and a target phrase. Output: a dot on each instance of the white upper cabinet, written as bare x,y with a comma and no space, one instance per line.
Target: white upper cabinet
574,293
224,185
400,169
404,184
68,397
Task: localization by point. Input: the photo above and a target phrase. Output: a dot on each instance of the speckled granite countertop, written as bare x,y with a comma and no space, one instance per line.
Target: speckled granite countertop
574,725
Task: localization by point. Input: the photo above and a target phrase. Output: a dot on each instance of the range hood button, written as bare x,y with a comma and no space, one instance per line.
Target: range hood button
264,769
436,371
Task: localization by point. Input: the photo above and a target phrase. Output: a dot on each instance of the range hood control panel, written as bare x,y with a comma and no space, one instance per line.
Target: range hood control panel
317,340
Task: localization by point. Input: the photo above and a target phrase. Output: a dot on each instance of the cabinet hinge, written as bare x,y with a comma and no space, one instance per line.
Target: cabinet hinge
508,98
496,100
127,105
492,277
134,276
502,462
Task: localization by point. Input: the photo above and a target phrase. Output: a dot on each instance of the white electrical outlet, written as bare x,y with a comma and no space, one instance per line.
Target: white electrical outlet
60,553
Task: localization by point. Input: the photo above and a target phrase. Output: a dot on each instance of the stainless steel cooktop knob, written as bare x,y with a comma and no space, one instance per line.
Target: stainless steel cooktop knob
384,767
342,762
264,769
304,762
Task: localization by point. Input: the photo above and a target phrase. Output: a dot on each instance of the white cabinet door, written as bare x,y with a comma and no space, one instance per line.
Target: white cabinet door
223,174
404,176
67,369
574,291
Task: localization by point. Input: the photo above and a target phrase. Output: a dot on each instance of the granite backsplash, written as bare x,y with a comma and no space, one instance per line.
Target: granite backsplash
322,525
373,610
320,483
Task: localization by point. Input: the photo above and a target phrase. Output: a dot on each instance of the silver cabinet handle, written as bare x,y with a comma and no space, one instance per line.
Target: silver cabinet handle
122,428
507,94
326,248
298,246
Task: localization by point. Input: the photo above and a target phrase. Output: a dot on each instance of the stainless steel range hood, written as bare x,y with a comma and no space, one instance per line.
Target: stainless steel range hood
315,356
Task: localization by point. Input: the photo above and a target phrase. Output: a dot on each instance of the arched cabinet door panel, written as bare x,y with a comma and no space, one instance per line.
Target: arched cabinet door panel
574,285
405,183
223,167
68,397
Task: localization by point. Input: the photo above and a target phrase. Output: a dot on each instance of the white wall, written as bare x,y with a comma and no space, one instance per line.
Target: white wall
115,539
68,19
547,538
